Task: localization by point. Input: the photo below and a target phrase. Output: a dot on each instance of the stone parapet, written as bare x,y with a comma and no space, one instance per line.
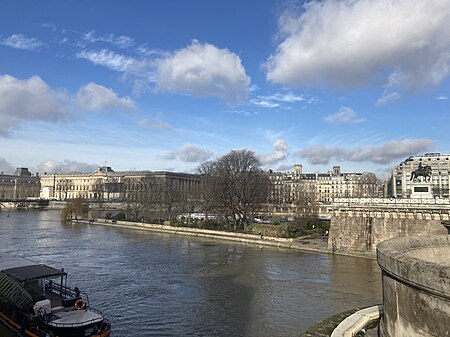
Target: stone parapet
360,225
416,286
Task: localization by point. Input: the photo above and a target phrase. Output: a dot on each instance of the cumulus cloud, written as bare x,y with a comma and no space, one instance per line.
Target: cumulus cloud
107,58
52,166
20,41
95,97
34,100
29,99
202,69
382,154
190,153
344,115
121,41
5,166
280,152
347,43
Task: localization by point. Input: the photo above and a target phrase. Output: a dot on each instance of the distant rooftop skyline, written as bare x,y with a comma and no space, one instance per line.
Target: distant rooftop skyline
168,85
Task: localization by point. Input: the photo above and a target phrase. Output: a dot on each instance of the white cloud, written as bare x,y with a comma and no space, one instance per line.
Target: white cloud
34,100
95,97
20,41
280,152
273,101
154,124
5,167
285,168
108,58
190,153
147,51
244,113
388,97
382,154
50,26
203,70
52,166
288,97
30,99
263,103
347,43
121,41
345,115
442,98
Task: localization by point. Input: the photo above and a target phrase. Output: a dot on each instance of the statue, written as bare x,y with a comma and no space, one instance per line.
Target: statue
424,171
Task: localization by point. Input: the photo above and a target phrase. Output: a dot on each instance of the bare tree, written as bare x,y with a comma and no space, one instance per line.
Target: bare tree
168,195
64,186
305,199
141,196
369,186
208,199
235,186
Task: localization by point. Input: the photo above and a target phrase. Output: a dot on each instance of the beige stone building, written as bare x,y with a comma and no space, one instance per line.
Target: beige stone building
433,183
299,193
139,189
19,186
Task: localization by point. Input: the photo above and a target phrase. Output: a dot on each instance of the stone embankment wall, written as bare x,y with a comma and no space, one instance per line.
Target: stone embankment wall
416,286
261,240
361,231
358,225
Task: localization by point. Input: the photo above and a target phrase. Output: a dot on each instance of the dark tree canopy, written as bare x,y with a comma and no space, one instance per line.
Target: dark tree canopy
234,185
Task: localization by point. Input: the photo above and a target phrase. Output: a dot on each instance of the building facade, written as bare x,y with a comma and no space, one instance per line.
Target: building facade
425,176
140,190
108,185
299,193
19,186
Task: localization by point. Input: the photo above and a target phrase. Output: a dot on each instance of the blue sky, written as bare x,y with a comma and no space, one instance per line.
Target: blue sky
166,85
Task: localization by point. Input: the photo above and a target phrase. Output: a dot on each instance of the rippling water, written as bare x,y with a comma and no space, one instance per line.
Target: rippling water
151,284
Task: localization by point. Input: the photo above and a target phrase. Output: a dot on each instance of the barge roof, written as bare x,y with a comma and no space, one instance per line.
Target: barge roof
23,269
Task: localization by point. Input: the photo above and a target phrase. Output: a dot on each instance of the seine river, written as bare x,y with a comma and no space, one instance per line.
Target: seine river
151,284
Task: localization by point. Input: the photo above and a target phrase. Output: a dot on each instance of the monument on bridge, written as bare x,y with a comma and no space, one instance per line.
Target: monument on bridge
421,182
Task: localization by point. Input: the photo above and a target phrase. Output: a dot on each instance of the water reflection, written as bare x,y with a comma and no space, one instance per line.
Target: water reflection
152,284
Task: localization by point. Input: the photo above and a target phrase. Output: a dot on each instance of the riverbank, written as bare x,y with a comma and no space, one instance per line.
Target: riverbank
305,244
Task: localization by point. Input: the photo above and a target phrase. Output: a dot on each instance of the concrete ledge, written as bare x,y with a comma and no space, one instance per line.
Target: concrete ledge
350,326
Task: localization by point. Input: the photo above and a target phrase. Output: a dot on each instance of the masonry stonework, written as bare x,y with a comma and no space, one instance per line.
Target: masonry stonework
360,226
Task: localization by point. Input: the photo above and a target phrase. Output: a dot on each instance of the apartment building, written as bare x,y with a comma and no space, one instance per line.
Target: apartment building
423,176
301,193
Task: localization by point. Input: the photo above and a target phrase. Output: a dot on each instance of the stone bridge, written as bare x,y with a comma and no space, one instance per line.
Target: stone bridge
23,203
358,225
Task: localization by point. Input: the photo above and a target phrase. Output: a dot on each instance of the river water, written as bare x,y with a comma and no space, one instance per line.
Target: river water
151,284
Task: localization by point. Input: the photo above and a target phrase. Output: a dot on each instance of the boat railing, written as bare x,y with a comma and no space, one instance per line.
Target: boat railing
65,292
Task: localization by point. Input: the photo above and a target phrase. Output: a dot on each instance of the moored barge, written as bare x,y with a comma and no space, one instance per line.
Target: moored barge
36,302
